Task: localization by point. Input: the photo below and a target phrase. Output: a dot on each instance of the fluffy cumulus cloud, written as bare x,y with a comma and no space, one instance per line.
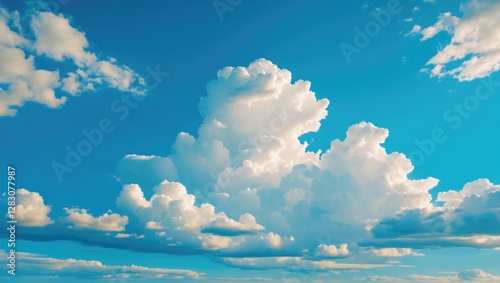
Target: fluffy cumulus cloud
469,217
80,218
474,42
25,75
331,250
394,252
247,159
57,39
171,207
246,190
31,210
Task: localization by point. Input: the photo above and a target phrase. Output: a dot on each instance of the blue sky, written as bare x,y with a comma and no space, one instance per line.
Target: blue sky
220,141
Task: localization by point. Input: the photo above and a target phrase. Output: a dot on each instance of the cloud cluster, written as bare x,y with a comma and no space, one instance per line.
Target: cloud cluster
172,211
332,251
247,191
37,265
474,42
24,77
469,217
469,275
80,218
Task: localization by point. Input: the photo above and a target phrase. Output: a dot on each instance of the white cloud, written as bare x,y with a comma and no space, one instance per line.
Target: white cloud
153,225
9,38
294,263
31,209
247,153
474,274
214,242
43,266
468,217
395,252
473,190
56,39
469,275
14,64
125,235
172,199
331,250
415,29
446,22
274,240
474,42
247,158
245,223
172,210
117,77
80,218
246,186
25,83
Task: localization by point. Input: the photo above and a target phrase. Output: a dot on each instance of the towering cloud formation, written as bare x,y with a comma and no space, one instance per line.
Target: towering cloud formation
247,158
245,187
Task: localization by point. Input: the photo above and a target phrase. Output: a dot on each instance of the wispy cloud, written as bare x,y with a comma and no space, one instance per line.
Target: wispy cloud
474,42
49,267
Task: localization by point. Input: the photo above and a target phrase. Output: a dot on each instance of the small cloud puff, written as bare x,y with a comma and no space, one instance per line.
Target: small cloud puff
31,210
80,218
332,251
